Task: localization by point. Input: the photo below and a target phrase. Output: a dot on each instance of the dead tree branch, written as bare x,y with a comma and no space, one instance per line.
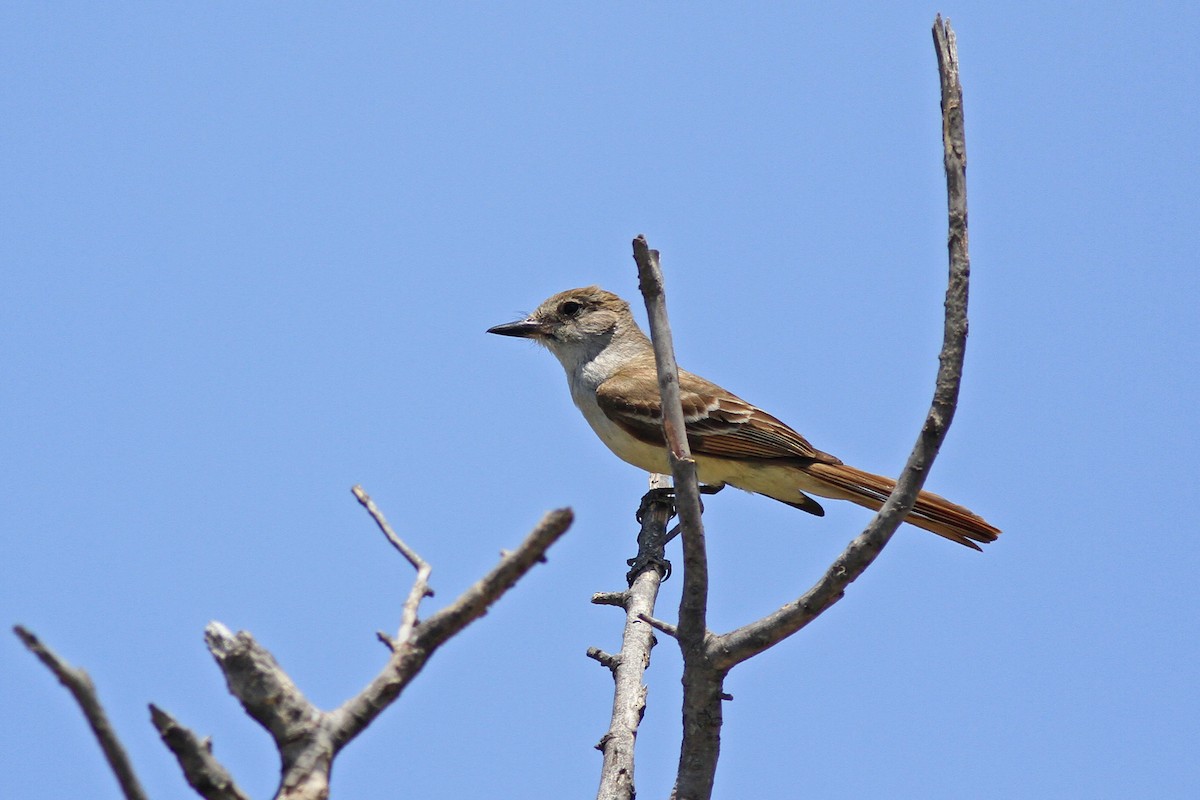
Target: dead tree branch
702,684
203,772
707,657
629,665
738,645
420,588
307,738
411,654
274,701
80,685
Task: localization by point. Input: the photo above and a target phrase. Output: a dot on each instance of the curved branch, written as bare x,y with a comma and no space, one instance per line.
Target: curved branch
745,642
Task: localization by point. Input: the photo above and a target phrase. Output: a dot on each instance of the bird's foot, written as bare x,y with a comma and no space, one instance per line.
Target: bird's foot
645,561
666,494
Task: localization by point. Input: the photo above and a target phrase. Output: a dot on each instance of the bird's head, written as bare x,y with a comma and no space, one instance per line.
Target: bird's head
575,325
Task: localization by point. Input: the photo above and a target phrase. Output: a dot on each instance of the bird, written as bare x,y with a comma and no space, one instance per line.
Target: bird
613,380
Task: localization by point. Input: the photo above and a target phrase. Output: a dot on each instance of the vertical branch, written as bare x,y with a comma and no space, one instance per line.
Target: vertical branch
629,665
702,683
954,146
693,607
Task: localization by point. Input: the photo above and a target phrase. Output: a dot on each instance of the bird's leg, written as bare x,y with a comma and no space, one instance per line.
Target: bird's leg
653,514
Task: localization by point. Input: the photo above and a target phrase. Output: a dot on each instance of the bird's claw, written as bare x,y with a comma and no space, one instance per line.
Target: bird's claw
661,495
644,562
666,494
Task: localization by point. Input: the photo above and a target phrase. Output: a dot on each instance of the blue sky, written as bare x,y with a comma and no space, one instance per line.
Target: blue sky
249,255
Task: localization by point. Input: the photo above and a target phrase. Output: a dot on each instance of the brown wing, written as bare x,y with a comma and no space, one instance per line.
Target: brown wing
718,423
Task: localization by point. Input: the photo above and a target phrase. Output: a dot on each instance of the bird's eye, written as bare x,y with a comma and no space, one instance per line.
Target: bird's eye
569,308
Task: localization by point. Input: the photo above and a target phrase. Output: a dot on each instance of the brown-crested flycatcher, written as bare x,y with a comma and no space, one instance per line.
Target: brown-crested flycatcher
611,371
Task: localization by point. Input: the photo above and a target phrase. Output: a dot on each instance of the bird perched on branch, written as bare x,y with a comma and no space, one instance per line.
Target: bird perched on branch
611,371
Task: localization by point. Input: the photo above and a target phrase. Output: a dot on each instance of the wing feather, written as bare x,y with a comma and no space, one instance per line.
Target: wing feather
718,423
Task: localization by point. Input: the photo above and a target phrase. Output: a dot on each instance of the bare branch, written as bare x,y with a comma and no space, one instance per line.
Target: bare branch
693,606
420,588
269,696
660,626
474,602
610,598
605,659
701,682
307,738
738,645
264,689
203,772
708,658
629,666
410,654
80,685
411,555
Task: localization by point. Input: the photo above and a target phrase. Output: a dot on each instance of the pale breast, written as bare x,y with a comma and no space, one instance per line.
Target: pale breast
625,447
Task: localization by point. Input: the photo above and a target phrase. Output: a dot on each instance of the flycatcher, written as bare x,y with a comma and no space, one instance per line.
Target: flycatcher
614,382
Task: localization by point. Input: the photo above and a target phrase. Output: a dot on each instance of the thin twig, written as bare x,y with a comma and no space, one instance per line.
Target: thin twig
420,588
660,625
611,598
411,555
605,659
412,653
80,685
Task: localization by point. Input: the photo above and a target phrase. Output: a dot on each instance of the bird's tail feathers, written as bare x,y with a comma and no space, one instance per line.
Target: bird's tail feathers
931,512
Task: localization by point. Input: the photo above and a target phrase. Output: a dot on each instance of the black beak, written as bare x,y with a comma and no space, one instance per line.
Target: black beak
524,329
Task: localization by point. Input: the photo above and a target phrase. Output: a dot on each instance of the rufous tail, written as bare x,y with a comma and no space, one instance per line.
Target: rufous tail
932,512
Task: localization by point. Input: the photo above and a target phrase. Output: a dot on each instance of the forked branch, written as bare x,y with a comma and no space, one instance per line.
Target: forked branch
306,737
707,657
